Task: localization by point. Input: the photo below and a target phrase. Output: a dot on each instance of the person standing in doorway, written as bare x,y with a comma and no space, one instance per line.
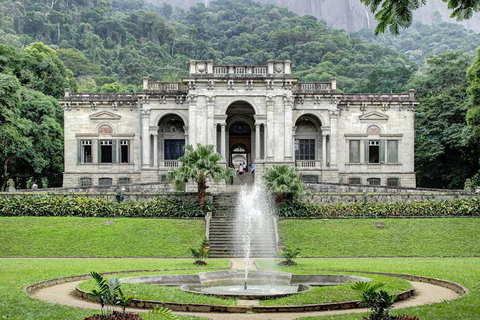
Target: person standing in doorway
240,171
252,167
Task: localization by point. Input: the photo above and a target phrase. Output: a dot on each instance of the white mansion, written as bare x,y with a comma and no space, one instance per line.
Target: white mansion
251,114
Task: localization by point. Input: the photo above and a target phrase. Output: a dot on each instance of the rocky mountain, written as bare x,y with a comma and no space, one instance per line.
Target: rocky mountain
350,15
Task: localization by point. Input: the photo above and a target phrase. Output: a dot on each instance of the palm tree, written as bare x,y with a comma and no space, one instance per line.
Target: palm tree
283,180
199,165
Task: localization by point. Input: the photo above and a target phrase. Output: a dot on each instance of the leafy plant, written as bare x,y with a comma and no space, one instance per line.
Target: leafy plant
288,254
115,316
200,254
109,292
284,180
199,165
164,313
380,302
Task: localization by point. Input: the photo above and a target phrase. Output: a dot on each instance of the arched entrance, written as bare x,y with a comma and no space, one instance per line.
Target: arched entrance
171,140
308,141
240,128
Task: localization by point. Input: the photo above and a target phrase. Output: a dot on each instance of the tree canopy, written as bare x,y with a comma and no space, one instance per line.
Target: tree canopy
396,14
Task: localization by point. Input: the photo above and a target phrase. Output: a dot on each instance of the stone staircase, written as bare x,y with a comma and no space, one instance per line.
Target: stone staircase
225,242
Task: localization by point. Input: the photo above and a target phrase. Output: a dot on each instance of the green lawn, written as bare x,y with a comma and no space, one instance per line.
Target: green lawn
89,237
16,273
400,237
465,271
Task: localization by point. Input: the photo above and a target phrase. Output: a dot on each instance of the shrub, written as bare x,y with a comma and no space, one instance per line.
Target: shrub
171,207
288,254
453,208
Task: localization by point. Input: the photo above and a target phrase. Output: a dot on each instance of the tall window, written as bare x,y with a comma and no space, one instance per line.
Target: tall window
374,151
305,149
392,151
124,151
174,149
86,151
354,151
107,151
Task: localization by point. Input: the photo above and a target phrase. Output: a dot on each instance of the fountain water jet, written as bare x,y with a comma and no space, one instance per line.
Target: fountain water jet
254,219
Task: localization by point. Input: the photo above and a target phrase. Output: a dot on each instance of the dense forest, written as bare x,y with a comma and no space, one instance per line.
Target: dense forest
109,45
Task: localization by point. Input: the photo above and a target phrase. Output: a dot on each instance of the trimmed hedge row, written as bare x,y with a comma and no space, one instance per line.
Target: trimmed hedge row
45,206
454,208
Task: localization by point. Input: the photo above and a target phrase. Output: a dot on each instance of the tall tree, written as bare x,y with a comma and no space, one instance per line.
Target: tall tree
444,156
396,14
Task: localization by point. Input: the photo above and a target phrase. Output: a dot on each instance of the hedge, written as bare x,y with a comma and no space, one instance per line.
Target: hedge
45,206
454,208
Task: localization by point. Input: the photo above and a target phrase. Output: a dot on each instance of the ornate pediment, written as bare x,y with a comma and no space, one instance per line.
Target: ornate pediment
105,115
374,115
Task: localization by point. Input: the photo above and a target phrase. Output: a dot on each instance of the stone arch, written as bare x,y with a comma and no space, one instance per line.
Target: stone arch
308,142
155,121
236,100
171,137
317,116
370,129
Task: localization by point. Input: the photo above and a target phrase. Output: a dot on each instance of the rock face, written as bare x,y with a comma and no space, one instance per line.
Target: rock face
351,15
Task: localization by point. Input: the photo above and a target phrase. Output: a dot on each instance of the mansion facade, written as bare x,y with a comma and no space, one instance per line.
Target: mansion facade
250,114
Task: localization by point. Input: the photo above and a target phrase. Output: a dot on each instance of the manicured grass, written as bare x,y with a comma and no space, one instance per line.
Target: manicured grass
400,237
465,271
316,295
17,273
89,237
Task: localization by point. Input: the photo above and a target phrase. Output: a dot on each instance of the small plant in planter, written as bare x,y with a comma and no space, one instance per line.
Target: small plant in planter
288,254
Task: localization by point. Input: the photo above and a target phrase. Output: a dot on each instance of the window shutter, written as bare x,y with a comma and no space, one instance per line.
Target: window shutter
99,151
79,149
382,151
114,151
366,151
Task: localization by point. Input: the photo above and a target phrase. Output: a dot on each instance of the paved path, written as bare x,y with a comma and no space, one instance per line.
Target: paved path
424,294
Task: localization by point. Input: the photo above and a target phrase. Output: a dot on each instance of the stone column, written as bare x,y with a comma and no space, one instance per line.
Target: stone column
264,141
185,133
95,143
146,138
269,129
210,115
333,137
324,149
257,141
215,142
288,104
155,150
192,106
223,141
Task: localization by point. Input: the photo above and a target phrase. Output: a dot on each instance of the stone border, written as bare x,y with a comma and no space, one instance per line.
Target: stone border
185,307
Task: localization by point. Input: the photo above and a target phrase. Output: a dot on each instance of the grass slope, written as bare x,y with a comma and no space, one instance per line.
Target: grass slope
400,237
89,237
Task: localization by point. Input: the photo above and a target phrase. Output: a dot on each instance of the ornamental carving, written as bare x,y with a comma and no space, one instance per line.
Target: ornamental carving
173,126
278,68
105,129
240,129
373,130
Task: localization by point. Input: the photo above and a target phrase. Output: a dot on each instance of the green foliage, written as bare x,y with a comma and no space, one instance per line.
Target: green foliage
396,14
380,302
445,155
283,180
164,313
200,254
43,206
199,165
454,208
288,254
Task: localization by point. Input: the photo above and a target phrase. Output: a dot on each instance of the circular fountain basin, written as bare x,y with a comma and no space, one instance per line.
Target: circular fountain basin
261,285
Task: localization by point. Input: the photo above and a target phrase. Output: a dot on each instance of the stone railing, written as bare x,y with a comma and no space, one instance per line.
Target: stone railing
240,71
164,87
313,87
377,97
308,163
168,164
100,97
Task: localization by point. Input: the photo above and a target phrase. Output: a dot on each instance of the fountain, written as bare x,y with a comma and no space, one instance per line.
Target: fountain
254,225
255,228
